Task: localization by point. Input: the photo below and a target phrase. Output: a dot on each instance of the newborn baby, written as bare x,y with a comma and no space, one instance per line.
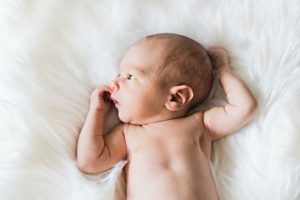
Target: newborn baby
161,78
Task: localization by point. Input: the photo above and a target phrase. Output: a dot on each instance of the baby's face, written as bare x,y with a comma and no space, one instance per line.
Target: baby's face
136,92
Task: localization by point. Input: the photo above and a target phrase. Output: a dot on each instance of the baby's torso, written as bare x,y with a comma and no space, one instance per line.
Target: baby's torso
169,160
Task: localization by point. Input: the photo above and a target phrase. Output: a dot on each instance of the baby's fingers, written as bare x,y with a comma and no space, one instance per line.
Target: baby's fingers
219,57
100,98
102,90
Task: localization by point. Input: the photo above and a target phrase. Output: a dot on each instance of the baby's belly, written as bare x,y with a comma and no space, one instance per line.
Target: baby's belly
179,178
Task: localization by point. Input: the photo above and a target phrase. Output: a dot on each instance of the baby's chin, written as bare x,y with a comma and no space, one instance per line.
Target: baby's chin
123,118
129,120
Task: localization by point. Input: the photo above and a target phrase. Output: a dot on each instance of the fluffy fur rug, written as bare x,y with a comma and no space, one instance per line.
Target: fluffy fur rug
54,52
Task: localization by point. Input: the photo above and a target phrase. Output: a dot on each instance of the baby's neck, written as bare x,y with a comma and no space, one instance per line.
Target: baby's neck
163,117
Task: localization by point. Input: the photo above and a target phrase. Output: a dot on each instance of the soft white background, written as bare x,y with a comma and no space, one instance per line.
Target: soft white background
53,53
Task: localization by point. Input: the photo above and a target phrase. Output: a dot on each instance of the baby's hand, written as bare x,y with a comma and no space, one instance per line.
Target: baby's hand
219,57
100,99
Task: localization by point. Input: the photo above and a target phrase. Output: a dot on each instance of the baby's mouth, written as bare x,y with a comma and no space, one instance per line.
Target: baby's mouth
115,101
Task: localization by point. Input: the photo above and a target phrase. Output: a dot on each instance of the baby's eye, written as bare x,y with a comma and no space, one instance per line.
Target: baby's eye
130,77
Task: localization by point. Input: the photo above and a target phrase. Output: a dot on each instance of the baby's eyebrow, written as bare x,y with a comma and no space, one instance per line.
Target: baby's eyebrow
134,68
139,70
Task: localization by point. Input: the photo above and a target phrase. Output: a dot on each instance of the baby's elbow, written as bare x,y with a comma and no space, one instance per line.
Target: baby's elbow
85,167
250,109
82,166
253,106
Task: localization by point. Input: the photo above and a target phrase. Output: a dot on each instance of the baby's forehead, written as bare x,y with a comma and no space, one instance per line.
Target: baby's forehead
143,56
141,70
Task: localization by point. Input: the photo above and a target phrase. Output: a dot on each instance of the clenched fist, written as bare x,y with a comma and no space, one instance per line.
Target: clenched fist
100,99
219,57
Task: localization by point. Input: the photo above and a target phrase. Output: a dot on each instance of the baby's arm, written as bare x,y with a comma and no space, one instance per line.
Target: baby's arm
96,152
224,120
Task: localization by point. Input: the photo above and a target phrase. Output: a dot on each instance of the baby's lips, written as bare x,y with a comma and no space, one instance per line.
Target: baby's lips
114,100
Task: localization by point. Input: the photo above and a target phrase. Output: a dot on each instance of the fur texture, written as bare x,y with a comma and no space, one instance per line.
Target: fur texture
54,52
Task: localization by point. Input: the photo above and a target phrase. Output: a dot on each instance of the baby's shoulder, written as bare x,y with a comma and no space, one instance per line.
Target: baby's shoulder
197,116
194,120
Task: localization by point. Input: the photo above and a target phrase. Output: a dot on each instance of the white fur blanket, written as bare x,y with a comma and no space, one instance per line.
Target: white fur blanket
54,52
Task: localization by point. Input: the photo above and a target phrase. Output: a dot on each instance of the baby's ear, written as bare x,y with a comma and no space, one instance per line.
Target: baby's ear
178,97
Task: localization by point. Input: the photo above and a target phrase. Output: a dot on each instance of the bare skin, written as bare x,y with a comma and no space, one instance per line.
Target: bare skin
168,152
169,160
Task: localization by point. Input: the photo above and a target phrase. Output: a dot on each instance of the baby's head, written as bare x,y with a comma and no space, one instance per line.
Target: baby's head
161,77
